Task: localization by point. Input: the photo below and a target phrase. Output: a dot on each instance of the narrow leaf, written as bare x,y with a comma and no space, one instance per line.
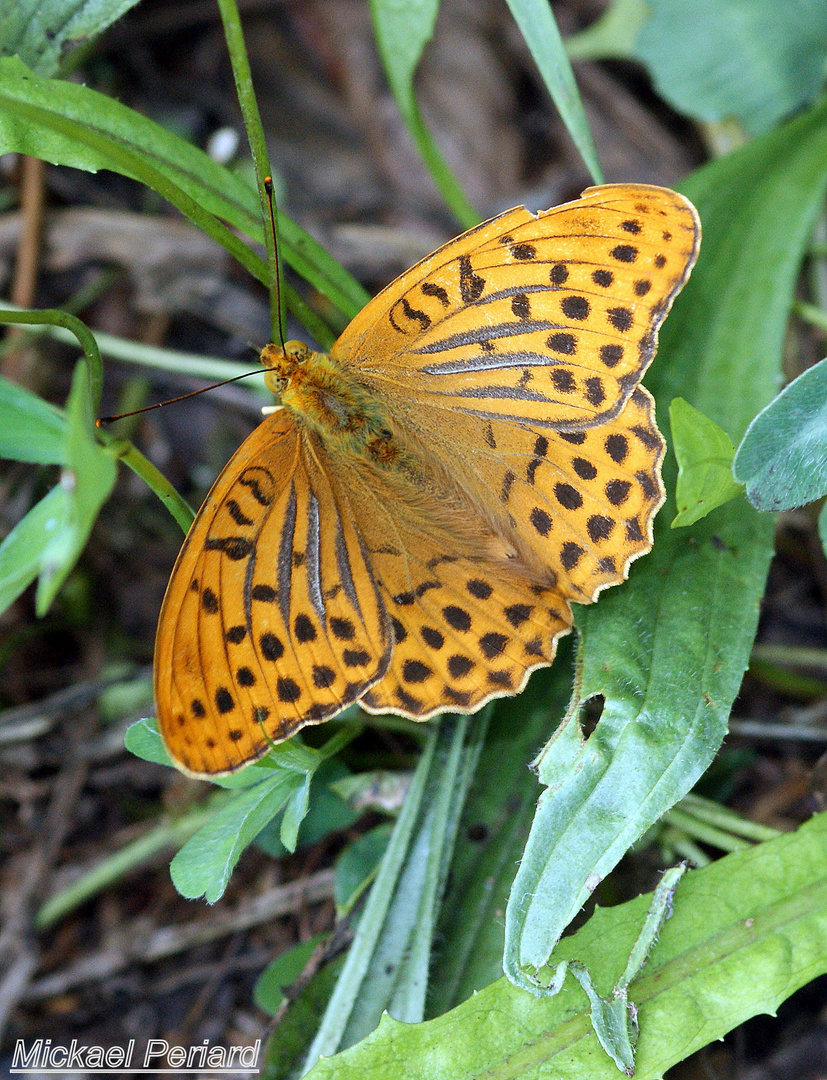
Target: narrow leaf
30,428
495,824
69,124
402,32
537,25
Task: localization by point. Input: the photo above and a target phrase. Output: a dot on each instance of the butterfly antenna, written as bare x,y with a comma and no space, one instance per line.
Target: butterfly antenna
171,401
276,292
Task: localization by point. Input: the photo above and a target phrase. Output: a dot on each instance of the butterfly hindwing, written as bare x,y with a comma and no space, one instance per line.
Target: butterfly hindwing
470,621
577,505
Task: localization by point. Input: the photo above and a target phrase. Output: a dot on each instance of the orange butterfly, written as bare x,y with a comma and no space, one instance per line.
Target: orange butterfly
408,530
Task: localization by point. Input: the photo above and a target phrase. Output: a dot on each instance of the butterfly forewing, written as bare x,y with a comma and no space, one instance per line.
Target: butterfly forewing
273,618
549,319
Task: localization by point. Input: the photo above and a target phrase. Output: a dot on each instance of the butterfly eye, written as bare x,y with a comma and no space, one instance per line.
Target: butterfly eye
275,382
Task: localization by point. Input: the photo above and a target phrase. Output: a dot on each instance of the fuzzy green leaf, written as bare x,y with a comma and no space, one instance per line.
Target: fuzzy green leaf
782,458
745,933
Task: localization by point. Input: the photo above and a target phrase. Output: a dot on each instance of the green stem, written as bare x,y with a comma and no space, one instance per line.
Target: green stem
53,317
680,844
310,319
169,834
793,655
130,455
258,146
713,813
136,352
449,187
707,834
136,165
811,314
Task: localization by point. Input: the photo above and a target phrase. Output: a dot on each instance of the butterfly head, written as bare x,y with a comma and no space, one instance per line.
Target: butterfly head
282,362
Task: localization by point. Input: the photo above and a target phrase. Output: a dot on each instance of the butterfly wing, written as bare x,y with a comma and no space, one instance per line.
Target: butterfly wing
514,354
273,618
549,319
576,504
470,620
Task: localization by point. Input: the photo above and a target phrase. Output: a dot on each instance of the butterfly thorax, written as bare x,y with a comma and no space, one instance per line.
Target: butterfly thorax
325,399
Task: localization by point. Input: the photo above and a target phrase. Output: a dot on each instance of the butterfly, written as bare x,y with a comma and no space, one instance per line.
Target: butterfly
409,529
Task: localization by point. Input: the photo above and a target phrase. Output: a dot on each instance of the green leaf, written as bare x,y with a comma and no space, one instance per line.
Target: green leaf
668,651
40,33
143,739
537,25
613,35
315,817
716,59
745,933
387,966
495,824
30,428
402,32
704,453
203,865
86,483
283,971
287,1045
69,124
346,995
357,865
21,552
782,458
613,1022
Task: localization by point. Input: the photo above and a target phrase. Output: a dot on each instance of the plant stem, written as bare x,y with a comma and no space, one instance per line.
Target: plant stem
258,147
